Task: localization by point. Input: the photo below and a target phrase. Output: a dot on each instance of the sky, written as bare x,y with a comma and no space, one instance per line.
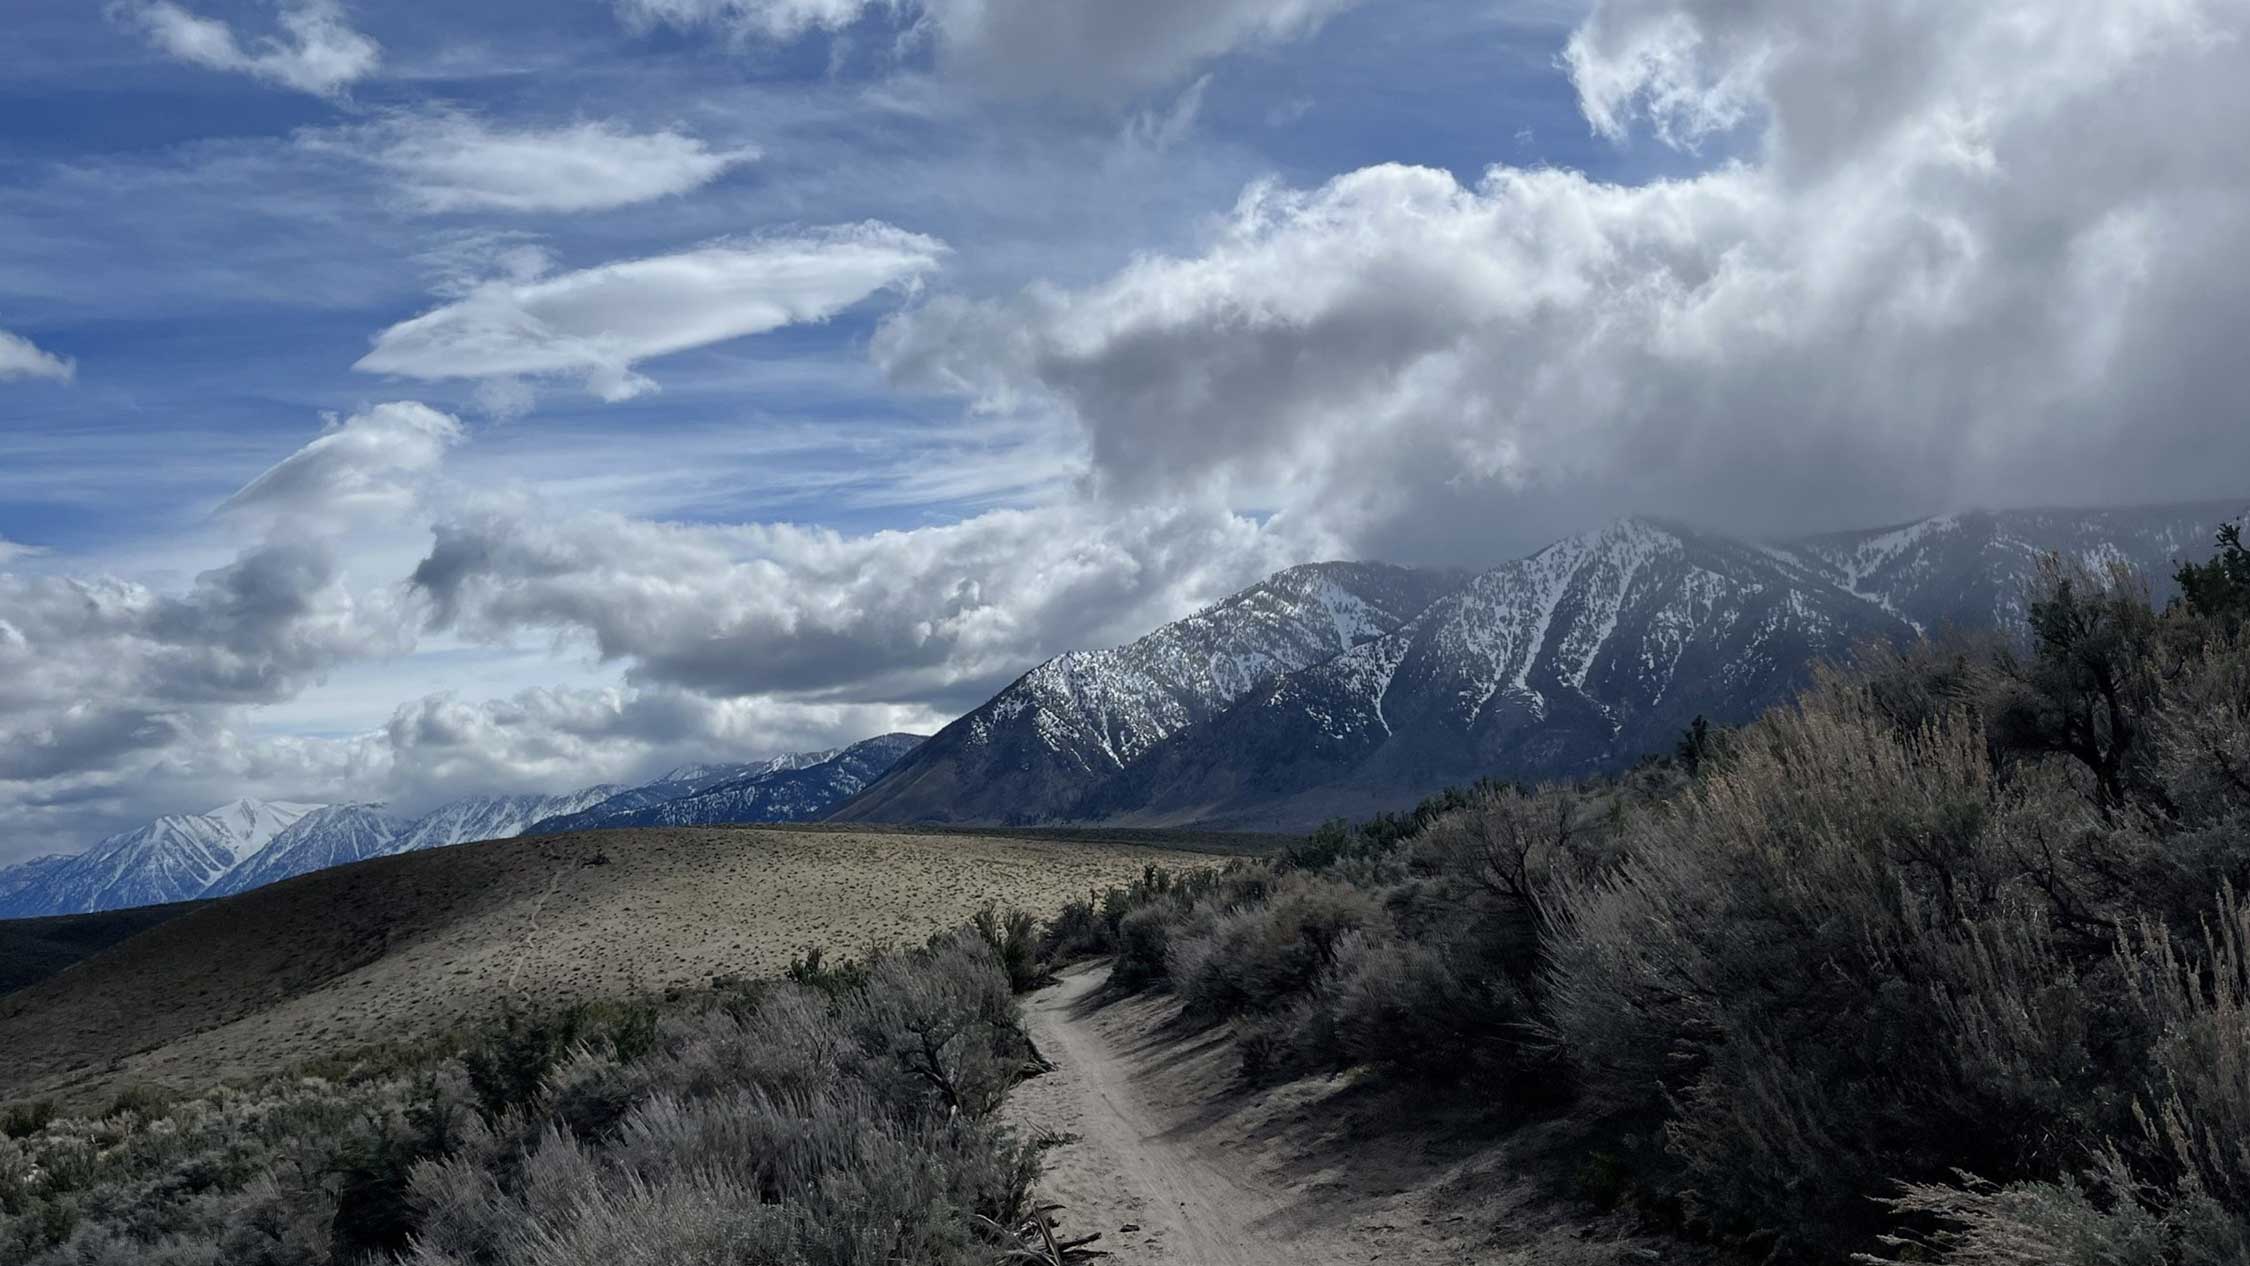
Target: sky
410,400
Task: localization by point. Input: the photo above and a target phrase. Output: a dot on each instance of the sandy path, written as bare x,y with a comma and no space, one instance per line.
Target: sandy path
1159,1180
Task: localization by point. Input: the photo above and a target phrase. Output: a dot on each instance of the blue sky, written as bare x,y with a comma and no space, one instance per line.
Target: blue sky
781,371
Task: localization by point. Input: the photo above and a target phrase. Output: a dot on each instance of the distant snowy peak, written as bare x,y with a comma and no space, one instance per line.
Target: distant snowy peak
334,835
494,817
789,791
1595,649
173,858
253,824
247,844
1083,716
1599,648
1977,569
1117,703
1612,615
696,778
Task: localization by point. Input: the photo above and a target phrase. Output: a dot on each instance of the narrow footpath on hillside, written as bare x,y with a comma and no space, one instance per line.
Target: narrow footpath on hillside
1174,1161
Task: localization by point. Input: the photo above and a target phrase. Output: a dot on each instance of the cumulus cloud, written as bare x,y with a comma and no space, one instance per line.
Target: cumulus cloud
936,616
442,746
447,161
374,460
254,630
596,324
116,701
316,51
121,699
1070,46
1965,254
20,358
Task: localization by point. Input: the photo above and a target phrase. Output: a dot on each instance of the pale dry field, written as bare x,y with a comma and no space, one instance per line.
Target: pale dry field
406,947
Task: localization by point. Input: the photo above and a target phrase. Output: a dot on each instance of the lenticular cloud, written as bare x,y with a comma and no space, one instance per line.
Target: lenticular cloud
598,323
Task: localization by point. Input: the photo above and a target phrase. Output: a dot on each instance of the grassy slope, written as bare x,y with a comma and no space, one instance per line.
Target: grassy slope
406,946
33,949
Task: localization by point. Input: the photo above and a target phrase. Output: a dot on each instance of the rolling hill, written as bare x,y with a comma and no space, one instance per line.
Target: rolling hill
406,946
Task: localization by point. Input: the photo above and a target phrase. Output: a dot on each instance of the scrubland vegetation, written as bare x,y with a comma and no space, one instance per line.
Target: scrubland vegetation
840,1116
1949,961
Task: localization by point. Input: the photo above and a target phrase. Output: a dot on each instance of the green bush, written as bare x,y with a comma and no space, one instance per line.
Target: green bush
1143,941
1262,958
1407,1008
1014,939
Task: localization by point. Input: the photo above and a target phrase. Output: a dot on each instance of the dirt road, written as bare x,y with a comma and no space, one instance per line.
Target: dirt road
1176,1163
1173,1167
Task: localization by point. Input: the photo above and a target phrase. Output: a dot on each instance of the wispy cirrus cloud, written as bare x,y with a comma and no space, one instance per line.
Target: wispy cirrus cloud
1073,47
598,323
448,161
21,358
316,50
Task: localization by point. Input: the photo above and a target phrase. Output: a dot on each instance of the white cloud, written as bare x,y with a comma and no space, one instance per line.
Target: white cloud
371,461
1076,47
598,323
13,550
316,51
20,358
1969,251
936,615
446,161
121,699
442,746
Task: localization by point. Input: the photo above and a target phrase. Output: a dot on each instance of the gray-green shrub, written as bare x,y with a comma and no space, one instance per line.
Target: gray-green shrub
846,1124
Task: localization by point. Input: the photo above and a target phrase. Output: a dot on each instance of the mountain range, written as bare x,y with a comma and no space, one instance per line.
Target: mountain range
250,843
1326,689
1583,657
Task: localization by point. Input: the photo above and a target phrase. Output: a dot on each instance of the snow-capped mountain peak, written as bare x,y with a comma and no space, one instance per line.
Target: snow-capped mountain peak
332,835
1082,716
493,817
252,824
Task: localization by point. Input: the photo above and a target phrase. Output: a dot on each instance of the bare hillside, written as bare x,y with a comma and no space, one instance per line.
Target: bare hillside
406,946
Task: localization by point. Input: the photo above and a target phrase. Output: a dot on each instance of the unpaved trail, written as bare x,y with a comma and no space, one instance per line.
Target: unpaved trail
1167,1169
531,927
